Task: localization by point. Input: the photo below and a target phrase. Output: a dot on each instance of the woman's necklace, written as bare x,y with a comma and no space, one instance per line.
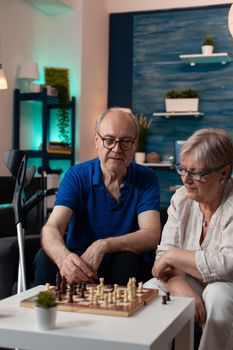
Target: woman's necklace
204,223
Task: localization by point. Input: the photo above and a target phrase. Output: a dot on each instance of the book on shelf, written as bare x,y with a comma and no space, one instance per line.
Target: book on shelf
59,151
58,147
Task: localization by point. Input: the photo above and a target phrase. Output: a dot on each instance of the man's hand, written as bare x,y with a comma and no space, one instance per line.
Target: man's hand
76,269
94,254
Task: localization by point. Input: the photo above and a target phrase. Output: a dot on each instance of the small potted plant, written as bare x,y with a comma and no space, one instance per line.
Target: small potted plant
46,309
208,45
144,125
182,101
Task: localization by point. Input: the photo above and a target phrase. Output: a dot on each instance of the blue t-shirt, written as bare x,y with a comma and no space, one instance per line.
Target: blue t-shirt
96,214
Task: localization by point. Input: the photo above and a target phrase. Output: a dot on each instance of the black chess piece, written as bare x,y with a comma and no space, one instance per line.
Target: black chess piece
164,299
168,296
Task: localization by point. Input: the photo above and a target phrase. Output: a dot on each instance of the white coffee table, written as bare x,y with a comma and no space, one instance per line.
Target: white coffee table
153,327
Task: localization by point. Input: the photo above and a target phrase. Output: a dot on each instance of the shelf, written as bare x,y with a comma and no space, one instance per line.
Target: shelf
159,165
51,101
47,104
178,114
52,7
44,154
222,57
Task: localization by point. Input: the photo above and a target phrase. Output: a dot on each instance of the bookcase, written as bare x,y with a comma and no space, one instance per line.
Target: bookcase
33,133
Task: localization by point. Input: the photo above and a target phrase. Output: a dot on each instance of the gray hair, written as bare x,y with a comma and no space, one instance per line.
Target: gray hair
209,147
122,111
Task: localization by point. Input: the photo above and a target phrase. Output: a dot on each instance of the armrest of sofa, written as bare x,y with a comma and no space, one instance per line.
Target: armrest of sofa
9,261
9,258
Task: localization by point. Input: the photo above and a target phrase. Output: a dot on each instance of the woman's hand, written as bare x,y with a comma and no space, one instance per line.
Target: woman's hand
161,267
175,281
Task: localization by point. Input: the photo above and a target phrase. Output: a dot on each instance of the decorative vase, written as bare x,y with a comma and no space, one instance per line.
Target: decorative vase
207,49
153,157
140,157
45,318
181,104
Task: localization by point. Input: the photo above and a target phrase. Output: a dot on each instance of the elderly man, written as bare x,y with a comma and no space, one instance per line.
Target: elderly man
111,208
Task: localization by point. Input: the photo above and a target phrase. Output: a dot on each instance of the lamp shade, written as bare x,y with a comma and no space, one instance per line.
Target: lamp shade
3,82
29,70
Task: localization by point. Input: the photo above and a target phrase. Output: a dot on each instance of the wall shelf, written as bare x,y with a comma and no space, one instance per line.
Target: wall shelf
222,58
178,114
52,7
159,165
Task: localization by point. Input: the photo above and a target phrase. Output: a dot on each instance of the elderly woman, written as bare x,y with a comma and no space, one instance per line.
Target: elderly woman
195,255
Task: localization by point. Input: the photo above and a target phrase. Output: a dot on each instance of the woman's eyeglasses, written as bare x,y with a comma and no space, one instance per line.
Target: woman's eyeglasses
110,143
195,175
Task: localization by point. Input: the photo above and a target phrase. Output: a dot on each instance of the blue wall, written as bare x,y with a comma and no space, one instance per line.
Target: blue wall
158,38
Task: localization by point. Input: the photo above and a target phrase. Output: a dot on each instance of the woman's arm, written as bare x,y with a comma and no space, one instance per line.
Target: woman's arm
179,286
177,258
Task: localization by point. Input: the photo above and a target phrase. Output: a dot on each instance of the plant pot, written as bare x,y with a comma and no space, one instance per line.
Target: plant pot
45,318
140,157
207,49
181,104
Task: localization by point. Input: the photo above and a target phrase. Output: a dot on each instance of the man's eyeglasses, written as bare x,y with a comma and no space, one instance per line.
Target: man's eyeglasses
110,143
196,175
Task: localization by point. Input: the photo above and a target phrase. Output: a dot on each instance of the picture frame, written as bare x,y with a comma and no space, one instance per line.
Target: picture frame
58,77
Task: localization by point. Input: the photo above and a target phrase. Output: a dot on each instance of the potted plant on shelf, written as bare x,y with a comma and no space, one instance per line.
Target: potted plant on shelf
182,101
144,125
208,45
63,114
46,310
58,78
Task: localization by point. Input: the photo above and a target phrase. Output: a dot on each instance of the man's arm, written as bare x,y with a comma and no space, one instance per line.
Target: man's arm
144,239
70,264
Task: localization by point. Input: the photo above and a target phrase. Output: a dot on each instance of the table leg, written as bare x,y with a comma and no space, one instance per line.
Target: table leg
185,338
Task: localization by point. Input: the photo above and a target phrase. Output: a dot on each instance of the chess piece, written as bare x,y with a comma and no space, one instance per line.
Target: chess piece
58,295
58,280
125,296
140,286
82,292
84,286
63,285
164,299
47,286
70,296
105,300
109,298
134,281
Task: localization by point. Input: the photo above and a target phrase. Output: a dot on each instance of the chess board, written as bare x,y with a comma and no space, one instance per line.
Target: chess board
106,305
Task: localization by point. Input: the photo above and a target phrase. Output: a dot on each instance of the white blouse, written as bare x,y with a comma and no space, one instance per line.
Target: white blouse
214,257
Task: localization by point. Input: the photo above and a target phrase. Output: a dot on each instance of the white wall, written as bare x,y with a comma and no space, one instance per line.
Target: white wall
77,39
20,40
94,72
